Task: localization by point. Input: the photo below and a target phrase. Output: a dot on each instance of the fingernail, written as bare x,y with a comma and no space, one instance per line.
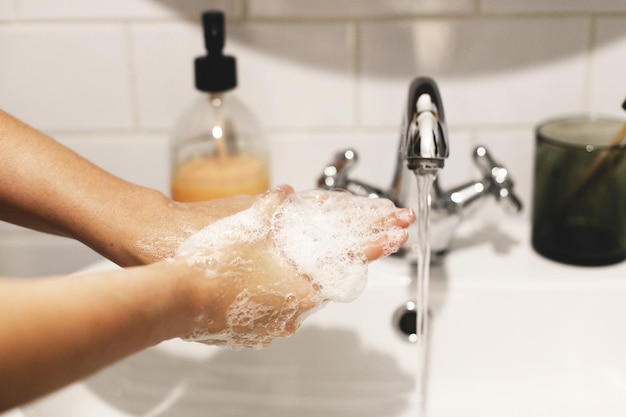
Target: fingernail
397,236
406,215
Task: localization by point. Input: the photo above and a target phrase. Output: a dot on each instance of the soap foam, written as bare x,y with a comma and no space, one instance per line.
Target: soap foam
206,245
319,233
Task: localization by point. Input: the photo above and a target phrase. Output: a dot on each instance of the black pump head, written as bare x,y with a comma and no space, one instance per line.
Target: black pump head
215,72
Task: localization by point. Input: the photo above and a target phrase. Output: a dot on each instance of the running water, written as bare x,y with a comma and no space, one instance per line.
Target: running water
424,184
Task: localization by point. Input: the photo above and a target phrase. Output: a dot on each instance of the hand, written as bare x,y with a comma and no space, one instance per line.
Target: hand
249,288
172,222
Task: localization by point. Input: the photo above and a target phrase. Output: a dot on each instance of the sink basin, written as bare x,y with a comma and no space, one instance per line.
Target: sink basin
511,334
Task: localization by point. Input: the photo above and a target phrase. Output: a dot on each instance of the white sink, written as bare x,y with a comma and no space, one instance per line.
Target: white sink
512,334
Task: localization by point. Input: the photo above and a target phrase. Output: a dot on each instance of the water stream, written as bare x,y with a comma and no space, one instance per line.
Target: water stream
424,185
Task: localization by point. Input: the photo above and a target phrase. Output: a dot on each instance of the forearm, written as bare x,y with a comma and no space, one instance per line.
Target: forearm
59,330
48,187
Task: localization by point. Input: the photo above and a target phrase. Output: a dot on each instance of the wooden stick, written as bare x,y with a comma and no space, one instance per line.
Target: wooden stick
607,158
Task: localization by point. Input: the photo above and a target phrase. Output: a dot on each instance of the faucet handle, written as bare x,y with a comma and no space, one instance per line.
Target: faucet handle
498,179
335,176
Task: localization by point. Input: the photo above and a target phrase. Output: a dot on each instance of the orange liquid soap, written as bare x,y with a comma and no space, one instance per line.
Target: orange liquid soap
223,176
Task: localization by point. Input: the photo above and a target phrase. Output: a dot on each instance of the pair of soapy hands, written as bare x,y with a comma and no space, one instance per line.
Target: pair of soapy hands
250,288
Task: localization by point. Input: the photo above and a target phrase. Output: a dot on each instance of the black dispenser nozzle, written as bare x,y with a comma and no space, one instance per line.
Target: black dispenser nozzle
215,72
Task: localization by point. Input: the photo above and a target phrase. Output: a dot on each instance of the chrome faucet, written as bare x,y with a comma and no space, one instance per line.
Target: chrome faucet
424,136
423,149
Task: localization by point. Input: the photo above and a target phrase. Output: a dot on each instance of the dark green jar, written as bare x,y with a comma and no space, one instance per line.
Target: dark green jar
579,199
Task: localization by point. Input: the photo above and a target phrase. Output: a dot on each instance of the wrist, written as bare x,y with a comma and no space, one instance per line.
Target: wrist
134,232
171,297
193,300
151,237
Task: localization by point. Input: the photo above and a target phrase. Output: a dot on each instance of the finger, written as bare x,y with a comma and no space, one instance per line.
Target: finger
400,218
287,189
269,202
386,244
305,307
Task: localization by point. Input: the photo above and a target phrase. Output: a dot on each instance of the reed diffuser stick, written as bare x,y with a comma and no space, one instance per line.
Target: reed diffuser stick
609,157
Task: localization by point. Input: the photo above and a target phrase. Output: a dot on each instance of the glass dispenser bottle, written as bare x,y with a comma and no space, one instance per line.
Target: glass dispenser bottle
218,148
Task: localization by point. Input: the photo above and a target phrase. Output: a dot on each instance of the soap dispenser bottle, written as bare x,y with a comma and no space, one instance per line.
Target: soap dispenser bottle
218,148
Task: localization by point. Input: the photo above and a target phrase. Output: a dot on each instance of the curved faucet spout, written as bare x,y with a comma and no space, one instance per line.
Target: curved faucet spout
424,137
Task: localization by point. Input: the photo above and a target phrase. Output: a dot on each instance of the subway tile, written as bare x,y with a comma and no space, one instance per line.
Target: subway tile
7,10
142,159
355,8
608,67
163,57
66,77
298,75
551,6
490,71
123,9
290,75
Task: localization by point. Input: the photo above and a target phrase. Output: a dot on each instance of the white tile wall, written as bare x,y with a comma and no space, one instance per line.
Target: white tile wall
608,67
7,10
70,77
122,9
490,71
309,66
552,6
277,64
355,8
142,158
109,78
162,58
